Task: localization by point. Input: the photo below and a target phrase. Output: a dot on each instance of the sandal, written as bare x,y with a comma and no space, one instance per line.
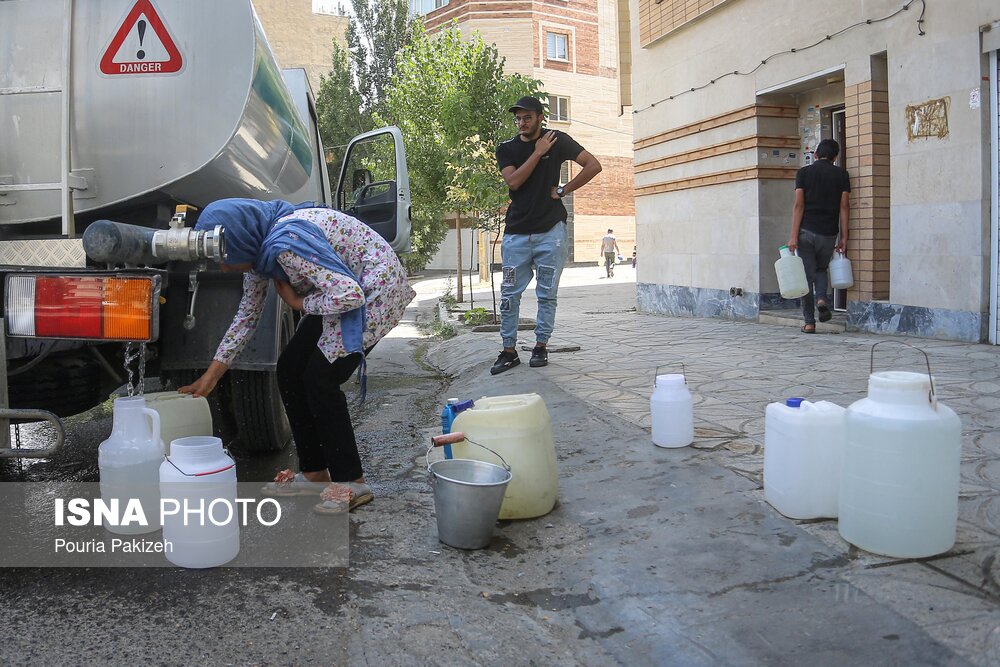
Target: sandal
824,312
808,331
342,497
287,483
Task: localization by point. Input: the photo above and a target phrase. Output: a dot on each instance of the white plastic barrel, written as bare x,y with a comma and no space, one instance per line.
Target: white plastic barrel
518,428
181,415
791,274
803,456
841,276
899,491
199,475
671,411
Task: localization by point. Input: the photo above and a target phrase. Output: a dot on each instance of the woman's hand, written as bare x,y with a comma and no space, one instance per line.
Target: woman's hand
288,294
204,385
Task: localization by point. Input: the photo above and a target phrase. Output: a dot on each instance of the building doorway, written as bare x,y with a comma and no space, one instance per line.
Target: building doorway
838,129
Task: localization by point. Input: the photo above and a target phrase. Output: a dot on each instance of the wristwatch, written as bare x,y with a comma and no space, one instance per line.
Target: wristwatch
560,192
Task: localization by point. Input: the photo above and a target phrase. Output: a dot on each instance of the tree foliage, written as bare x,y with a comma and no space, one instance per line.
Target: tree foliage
450,97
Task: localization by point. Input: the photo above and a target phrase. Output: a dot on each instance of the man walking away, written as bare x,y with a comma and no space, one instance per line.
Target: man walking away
609,248
534,240
821,210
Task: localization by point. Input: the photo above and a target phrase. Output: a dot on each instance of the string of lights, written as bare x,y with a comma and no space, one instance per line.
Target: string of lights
905,7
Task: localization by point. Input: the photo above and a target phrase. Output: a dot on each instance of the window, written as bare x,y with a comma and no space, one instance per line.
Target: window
555,46
559,108
421,7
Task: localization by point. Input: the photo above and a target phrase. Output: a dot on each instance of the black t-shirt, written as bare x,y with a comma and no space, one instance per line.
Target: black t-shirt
532,209
822,183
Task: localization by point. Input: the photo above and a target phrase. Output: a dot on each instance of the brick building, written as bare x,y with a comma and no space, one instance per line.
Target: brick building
580,51
723,122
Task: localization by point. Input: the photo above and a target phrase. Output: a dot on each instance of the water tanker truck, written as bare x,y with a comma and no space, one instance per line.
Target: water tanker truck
119,121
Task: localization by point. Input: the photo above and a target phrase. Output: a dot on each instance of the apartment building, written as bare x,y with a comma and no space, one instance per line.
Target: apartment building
732,96
580,51
302,32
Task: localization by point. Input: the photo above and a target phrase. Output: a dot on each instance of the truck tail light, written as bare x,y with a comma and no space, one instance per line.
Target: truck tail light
83,307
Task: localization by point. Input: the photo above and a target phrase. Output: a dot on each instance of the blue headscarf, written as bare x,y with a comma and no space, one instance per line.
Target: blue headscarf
252,236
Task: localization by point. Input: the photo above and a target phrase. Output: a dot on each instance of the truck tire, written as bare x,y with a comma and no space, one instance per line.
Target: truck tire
65,386
263,424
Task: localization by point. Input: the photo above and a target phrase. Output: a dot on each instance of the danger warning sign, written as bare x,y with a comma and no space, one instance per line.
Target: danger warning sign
142,45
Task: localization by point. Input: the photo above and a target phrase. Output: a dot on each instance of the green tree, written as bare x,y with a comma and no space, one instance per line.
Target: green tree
355,89
450,97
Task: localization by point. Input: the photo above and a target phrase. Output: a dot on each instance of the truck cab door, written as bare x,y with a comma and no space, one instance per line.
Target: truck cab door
374,185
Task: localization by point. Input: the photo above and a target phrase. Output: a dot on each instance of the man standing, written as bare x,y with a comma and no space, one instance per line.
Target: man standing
534,241
610,251
821,210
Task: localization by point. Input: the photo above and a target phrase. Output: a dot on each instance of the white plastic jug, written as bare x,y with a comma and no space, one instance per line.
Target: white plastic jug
181,415
899,491
129,463
671,411
803,456
791,274
841,276
197,473
518,428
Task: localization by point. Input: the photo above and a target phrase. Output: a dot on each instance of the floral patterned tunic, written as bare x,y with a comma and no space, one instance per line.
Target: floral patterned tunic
384,289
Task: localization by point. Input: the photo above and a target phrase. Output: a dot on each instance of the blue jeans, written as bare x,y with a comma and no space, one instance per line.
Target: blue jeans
525,256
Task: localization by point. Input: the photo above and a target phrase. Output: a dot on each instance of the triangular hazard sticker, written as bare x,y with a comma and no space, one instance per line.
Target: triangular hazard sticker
142,45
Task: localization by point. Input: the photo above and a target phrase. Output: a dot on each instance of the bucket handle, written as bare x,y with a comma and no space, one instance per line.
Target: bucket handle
656,373
457,437
203,474
931,395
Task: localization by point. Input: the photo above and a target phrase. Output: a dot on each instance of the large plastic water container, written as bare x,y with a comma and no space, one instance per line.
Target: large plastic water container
129,463
518,428
181,415
841,276
671,411
199,474
803,456
791,274
899,492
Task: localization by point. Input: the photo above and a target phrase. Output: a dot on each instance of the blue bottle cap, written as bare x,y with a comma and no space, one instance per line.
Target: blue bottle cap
794,402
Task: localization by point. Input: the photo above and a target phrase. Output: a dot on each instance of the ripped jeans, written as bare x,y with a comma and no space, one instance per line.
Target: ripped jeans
526,256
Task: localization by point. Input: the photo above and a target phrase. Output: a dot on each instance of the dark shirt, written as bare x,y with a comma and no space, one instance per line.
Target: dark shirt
822,183
532,209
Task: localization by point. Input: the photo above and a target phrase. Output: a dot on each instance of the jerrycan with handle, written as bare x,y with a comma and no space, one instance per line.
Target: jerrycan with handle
518,428
841,276
181,415
803,455
899,489
791,274
129,463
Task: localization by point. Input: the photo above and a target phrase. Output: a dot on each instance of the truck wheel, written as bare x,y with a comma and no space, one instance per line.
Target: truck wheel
66,386
259,411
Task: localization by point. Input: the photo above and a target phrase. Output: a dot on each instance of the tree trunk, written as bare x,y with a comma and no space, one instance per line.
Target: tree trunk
458,272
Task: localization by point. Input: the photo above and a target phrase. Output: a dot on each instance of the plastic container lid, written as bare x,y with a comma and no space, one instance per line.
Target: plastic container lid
670,380
794,402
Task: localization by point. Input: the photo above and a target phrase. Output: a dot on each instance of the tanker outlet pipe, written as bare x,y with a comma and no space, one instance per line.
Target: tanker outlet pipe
113,242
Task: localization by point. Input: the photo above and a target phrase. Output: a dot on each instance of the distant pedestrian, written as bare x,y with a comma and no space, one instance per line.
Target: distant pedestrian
534,240
610,251
633,256
821,212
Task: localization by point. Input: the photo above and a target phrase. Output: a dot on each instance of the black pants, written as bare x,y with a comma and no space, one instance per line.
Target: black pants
816,252
316,406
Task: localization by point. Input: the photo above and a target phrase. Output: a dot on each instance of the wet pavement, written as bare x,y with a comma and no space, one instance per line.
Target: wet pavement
651,556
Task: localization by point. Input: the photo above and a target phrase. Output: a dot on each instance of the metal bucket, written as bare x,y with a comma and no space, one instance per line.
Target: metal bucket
467,499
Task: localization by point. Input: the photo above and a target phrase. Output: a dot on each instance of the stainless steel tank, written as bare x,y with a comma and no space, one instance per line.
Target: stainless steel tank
168,98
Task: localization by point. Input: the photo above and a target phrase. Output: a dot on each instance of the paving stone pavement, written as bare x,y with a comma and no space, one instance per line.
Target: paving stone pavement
734,369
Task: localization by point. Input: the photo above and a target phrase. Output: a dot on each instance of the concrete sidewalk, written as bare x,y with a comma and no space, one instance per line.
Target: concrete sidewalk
673,554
